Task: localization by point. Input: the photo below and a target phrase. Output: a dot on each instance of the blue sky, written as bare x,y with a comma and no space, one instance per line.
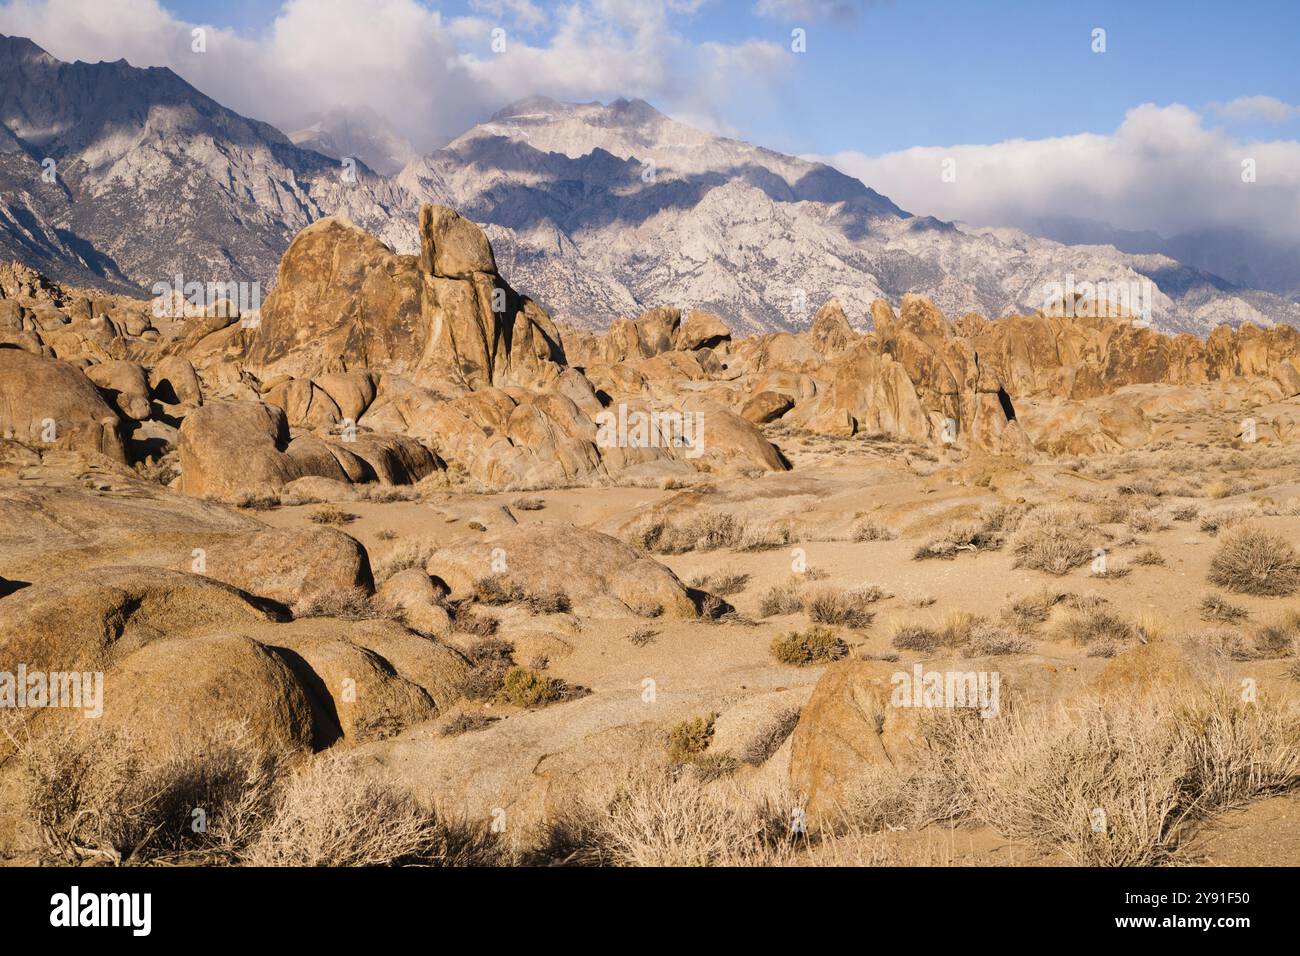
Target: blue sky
938,72
1152,134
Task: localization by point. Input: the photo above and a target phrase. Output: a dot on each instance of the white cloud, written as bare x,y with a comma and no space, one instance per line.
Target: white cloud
1246,108
1162,169
807,10
430,76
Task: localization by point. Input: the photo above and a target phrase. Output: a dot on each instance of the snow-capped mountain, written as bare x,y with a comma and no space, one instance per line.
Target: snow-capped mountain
595,210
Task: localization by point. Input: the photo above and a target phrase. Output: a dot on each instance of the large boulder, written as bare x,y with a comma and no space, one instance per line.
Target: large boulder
233,449
290,565
126,384
598,573
452,246
47,403
90,620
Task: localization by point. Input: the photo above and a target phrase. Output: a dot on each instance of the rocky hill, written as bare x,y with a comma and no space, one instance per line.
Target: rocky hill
597,211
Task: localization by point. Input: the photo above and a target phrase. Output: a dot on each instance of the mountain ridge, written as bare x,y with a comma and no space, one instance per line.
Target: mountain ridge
598,210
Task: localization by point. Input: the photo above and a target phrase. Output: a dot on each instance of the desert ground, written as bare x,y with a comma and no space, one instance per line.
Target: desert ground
379,576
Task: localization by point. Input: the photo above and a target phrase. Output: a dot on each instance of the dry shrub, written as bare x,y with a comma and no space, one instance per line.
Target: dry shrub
465,722
642,636
763,536
690,738
468,621
497,590
1223,643
846,608
525,687
98,797
490,660
1028,612
987,532
1184,512
782,599
408,554
1280,638
331,814
1215,607
1154,766
669,817
1252,561
528,504
1055,540
347,604
1096,626
726,582
1149,557
332,514
706,531
916,637
1220,519
869,530
770,736
817,645
990,640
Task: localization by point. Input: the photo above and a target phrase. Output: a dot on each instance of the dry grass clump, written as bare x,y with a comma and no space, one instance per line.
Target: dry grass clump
347,604
387,494
408,554
498,590
986,532
1028,612
332,514
705,531
1184,512
847,608
871,530
782,599
688,739
330,815
817,645
528,504
468,621
1223,643
1220,519
1153,766
526,687
1250,560
1149,557
915,637
642,636
726,582
1215,607
97,796
465,722
490,659
1097,626
769,737
763,536
990,640
256,501
669,817
1280,638
1119,782
1111,571
1054,540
